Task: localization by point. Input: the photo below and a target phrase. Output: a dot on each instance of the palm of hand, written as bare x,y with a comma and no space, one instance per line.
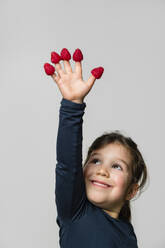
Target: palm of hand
71,84
73,87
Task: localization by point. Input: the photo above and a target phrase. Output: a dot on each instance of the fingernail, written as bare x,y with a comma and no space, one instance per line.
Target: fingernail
97,72
49,69
55,57
77,56
65,54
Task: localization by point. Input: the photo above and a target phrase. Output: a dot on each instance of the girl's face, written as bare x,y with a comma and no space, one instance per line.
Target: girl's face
111,165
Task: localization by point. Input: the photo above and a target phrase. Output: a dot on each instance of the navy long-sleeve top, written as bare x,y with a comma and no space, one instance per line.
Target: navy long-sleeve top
82,224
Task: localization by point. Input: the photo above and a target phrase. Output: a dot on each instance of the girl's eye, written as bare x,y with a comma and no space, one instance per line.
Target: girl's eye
94,160
117,165
114,165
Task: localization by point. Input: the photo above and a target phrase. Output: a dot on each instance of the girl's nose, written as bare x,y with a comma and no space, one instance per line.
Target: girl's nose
103,171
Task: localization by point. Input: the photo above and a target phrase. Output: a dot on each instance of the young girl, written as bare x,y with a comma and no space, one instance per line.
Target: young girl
93,200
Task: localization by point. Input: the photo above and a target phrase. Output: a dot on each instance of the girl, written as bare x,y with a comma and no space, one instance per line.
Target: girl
93,200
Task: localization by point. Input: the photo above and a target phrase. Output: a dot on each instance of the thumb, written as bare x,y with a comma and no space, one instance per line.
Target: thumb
96,74
91,81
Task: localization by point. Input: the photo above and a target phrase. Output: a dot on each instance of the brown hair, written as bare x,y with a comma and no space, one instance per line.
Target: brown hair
138,166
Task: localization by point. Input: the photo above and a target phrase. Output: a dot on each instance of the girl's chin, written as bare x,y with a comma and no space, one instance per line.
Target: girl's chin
95,197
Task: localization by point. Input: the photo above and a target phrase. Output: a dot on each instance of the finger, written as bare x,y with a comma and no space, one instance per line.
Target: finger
55,59
91,81
78,68
56,78
59,69
67,66
78,57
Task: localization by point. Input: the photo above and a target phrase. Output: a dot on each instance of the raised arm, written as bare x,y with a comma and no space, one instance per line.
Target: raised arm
69,174
69,188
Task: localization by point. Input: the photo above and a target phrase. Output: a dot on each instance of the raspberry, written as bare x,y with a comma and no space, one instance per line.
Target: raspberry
55,57
97,72
77,56
65,54
49,69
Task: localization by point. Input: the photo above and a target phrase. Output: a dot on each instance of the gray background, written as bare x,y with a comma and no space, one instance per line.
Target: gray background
127,39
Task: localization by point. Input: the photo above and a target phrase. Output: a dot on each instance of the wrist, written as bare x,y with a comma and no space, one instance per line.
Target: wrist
78,101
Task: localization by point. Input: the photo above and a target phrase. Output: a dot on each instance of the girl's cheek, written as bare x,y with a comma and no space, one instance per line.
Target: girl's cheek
85,171
120,181
88,171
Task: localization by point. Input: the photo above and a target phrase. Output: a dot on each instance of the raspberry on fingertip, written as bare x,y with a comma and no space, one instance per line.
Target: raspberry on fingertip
97,72
49,69
55,57
77,55
65,54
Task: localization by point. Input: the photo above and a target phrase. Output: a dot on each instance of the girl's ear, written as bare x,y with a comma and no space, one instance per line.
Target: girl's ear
133,191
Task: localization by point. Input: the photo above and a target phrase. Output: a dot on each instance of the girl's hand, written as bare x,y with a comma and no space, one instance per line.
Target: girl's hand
70,83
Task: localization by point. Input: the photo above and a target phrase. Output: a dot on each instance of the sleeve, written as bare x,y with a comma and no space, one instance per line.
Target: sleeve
69,186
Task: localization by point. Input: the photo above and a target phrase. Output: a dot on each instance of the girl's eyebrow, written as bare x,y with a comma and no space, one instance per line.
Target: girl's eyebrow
97,153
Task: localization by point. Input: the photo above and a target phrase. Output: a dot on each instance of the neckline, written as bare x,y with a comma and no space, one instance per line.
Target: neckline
109,216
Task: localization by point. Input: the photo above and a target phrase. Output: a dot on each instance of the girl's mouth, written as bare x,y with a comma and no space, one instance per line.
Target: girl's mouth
96,184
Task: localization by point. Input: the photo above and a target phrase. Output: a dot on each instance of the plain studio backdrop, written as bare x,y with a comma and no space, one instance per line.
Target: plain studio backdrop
127,39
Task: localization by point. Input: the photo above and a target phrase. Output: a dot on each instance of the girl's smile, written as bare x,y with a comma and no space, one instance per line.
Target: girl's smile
100,184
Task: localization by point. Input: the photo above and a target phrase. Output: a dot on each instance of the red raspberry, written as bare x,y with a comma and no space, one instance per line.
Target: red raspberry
77,56
49,69
97,72
65,54
55,57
